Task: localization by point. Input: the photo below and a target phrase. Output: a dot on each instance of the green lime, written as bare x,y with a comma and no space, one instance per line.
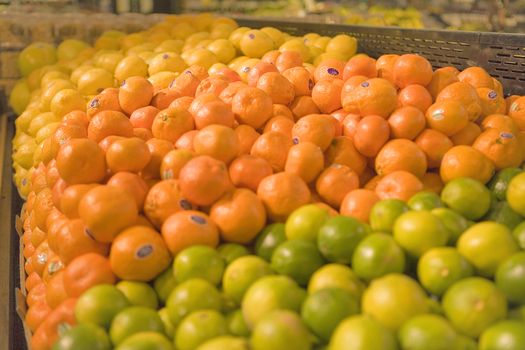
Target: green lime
241,274
441,267
323,310
506,334
169,328
467,196
519,235
100,304
419,231
225,342
465,343
336,276
164,284
236,324
271,293
146,341
377,255
502,213
139,294
385,213
305,222
518,313
280,330
83,337
510,278
473,304
454,222
394,299
231,251
486,245
298,259
198,261
270,237
192,295
500,182
338,238
132,320
198,327
425,200
424,332
434,306
363,333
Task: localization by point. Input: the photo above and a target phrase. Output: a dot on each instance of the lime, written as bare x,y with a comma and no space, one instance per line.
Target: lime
100,304
198,261
271,293
336,276
394,299
418,231
377,255
323,310
500,182
516,194
83,337
236,324
434,306
519,235
363,333
427,332
139,294
454,222
298,259
280,330
503,335
231,251
305,222
270,237
467,196
425,200
473,304
439,268
465,343
146,341
198,327
132,320
385,213
338,238
486,245
517,313
241,274
225,342
192,295
164,284
502,213
510,278
169,329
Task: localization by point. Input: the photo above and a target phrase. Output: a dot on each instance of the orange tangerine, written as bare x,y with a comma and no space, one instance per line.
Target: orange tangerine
183,102
301,79
306,160
279,124
342,151
349,125
158,148
247,137
282,111
466,161
398,185
247,171
465,94
302,106
143,117
416,96
217,141
213,85
107,100
258,70
227,94
107,123
215,112
372,97
434,144
86,271
186,140
170,123
500,122
467,135
316,128
358,204
288,59
81,161
412,69
326,95
448,117
132,184
335,182
36,314
491,102
385,66
406,122
128,154
477,77
509,100
432,182
280,89
185,84
271,56
164,97
164,199
360,65
401,154
142,133
329,69
517,112
501,147
371,133
252,106
173,161
135,92
441,78
273,147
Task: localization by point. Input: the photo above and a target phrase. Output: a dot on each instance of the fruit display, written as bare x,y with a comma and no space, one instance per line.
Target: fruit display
204,186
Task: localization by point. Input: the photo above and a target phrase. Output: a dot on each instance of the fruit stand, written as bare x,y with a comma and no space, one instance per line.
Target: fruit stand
413,188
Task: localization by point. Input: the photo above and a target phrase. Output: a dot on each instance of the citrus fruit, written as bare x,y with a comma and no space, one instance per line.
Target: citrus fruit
364,333
236,324
516,194
83,337
454,222
35,56
280,330
519,235
164,284
338,237
269,239
427,331
503,335
502,213
473,304
139,294
168,326
298,259
198,327
377,255
467,196
198,262
500,182
510,278
232,251
385,213
225,343
323,310
133,320
99,305
146,340
441,267
336,276
425,201
466,343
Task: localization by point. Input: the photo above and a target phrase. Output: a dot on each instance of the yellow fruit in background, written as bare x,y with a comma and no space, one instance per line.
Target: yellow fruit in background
109,60
34,79
52,75
24,154
51,89
70,48
221,31
327,55
181,31
236,62
20,139
166,62
255,43
344,44
35,56
244,68
314,52
147,56
195,38
223,49
135,50
94,81
20,96
275,34
225,20
216,67
322,42
77,72
23,120
109,40
158,36
22,183
46,131
202,21
131,66
203,44
236,36
40,121
162,80
296,45
132,40
171,45
67,100
311,38
202,57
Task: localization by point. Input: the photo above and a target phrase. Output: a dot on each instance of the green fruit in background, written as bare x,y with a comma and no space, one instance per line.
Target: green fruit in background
377,255
280,330
385,213
100,304
139,294
164,284
35,56
467,196
363,333
517,313
198,261
199,327
83,337
231,251
305,222
503,335
338,237
132,320
519,235
336,276
427,331
454,222
270,237
146,341
169,329
225,342
510,278
465,343
502,213
236,324
425,201
500,182
516,194
439,268
486,245
394,299
20,96
298,259
473,304
324,309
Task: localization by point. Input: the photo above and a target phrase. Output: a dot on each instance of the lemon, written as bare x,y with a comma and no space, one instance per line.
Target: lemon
162,80
173,45
51,89
166,61
52,75
77,72
181,31
296,45
344,44
245,67
40,121
109,61
223,49
255,43
67,100
70,48
202,57
94,81
275,34
34,56
236,36
131,66
24,154
20,95
221,31
135,50
46,131
322,42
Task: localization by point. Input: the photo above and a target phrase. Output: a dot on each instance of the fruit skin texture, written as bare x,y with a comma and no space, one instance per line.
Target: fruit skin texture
516,194
363,333
510,276
280,330
508,334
